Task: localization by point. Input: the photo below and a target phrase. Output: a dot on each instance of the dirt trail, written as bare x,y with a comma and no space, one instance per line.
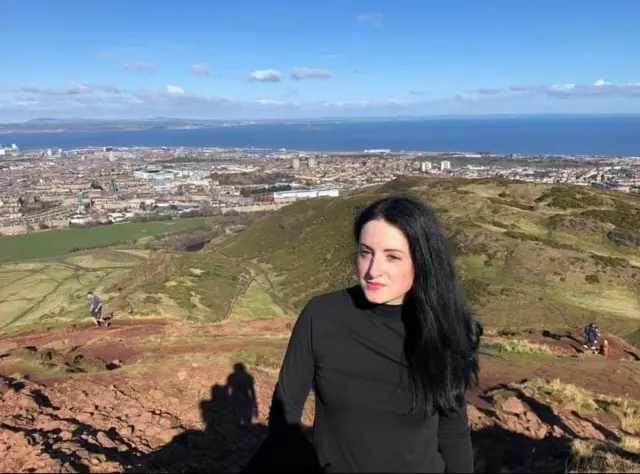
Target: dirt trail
87,348
124,329
78,334
571,342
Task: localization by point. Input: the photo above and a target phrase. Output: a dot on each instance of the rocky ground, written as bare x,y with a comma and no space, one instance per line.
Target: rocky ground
181,417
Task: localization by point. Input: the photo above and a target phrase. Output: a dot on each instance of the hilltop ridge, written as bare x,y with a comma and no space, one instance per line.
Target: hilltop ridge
529,255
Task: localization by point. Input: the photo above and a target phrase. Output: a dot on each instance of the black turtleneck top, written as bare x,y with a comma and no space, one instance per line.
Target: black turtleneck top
351,353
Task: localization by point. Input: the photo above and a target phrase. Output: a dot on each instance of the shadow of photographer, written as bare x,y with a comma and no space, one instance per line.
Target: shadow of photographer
231,441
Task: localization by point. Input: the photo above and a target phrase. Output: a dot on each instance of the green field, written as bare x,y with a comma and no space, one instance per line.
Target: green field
56,242
53,292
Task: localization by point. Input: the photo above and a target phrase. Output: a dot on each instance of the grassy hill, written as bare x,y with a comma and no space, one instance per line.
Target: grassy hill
44,276
53,291
530,255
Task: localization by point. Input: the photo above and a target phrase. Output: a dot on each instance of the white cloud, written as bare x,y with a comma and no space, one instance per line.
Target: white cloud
265,75
599,88
199,69
372,18
174,90
416,92
263,101
74,88
84,99
489,91
368,104
300,73
89,100
141,66
561,88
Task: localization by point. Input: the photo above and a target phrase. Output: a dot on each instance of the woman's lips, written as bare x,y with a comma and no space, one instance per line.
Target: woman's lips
374,286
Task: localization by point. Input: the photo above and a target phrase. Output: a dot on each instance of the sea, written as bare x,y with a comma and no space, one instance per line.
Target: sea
554,135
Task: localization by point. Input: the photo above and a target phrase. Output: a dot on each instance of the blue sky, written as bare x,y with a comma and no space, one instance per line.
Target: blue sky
282,59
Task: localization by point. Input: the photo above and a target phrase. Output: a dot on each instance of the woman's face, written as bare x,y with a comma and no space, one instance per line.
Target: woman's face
384,265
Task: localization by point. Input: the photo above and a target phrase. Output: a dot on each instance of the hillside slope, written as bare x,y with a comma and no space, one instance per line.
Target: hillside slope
530,255
537,256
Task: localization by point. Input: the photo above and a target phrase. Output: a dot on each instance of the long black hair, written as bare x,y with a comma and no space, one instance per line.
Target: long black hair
442,335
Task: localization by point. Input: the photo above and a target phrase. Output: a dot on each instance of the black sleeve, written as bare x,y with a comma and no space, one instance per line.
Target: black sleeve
296,374
454,440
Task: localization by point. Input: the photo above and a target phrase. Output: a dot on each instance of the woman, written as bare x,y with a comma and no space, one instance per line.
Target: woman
389,359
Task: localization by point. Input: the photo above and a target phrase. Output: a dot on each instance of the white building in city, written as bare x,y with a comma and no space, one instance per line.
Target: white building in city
158,174
293,195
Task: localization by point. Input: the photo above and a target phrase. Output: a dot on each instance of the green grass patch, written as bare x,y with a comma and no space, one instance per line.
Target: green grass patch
56,362
517,346
56,242
570,397
268,359
257,302
53,292
198,287
571,197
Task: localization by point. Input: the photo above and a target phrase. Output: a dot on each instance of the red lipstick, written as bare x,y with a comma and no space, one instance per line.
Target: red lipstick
374,286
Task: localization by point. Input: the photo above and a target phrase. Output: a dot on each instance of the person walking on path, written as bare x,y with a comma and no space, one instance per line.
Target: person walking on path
95,310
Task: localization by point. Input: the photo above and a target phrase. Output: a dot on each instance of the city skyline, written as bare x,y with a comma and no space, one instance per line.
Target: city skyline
284,60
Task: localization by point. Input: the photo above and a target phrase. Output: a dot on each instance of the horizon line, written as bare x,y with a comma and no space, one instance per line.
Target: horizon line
311,119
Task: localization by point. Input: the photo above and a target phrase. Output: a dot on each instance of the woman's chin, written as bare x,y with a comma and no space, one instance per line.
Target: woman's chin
380,297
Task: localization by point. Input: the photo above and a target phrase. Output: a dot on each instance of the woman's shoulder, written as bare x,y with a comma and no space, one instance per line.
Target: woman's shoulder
340,299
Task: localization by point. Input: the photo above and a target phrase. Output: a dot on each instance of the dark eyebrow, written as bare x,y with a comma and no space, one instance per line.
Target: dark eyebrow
386,250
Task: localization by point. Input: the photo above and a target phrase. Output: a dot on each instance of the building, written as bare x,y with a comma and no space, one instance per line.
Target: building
445,165
378,150
294,195
157,174
296,163
426,166
312,162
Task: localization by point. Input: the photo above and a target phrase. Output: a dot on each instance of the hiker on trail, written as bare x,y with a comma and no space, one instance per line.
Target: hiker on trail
95,309
591,335
390,359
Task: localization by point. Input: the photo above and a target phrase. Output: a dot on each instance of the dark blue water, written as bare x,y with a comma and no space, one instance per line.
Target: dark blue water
614,136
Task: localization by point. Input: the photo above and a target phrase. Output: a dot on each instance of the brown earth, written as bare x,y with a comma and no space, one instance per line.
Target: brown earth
174,416
125,342
571,342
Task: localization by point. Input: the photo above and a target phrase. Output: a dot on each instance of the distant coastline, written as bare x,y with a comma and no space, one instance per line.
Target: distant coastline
54,125
615,135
